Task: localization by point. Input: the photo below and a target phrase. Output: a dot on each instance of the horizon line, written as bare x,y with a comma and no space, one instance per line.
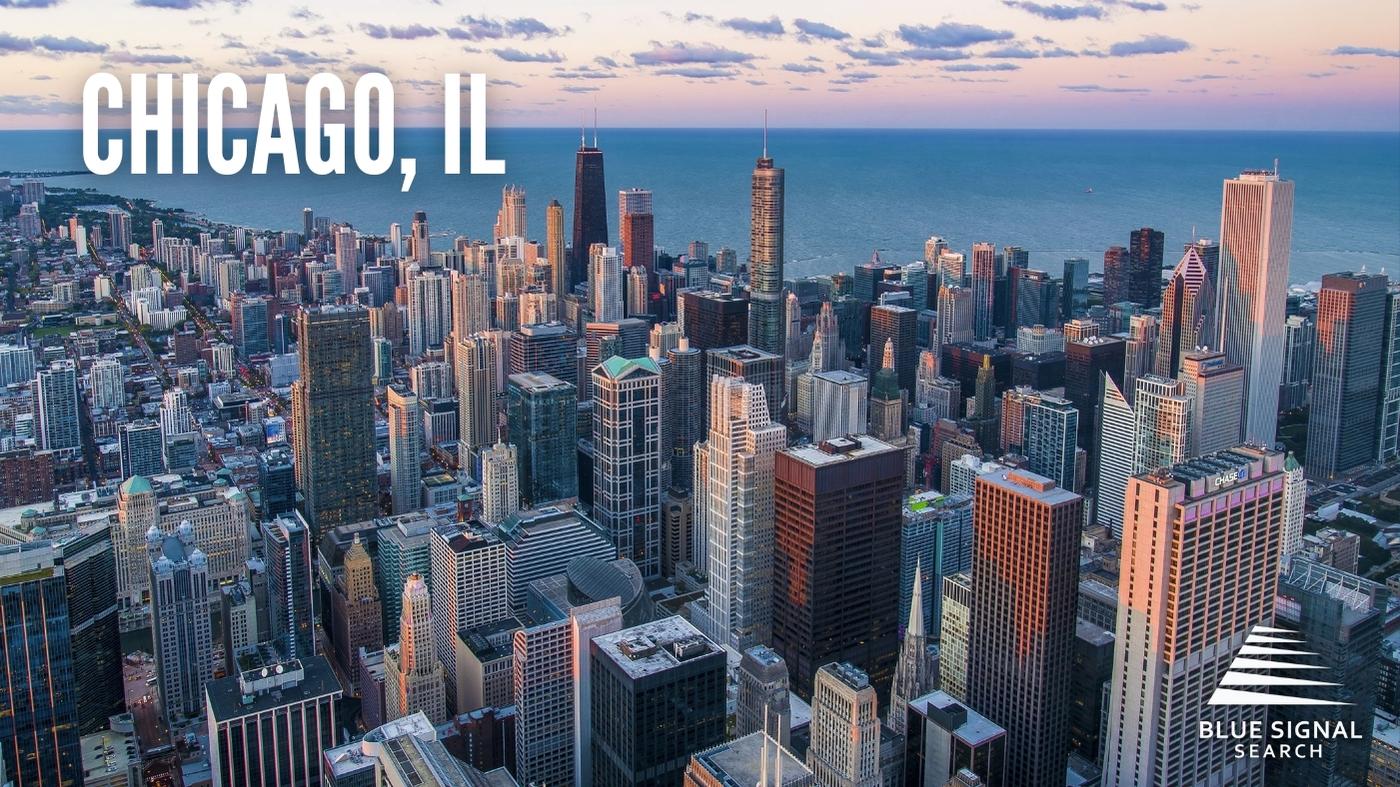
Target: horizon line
799,129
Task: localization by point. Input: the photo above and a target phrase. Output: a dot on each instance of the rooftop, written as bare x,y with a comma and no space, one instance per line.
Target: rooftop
972,728
839,449
740,762
655,647
1028,484
226,700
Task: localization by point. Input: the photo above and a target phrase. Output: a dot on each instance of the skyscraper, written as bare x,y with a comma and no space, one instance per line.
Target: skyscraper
429,311
1050,428
763,695
56,401
590,206
1145,264
356,610
90,577
948,743
916,673
955,626
734,512
179,574
1187,304
1116,455
419,241
269,725
142,450
1162,423
39,732
542,413
1140,350
684,401
1216,389
511,220
984,272
895,324
1025,577
1074,289
405,446
635,229
1346,376
839,405
1205,534
289,586
627,458
559,283
766,255
475,360
333,418
1388,443
605,284
845,746
1256,228
500,483
469,590
413,678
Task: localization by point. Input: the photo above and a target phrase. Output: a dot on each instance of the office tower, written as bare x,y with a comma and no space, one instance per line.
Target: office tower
549,347
429,311
605,284
734,513
405,446
684,401
763,704
1074,288
419,241
541,543
333,414
916,673
1162,423
677,530
249,322
839,405
946,738
357,611
1342,618
1117,455
636,289
635,230
1388,443
756,758
1145,267
1036,298
766,256
269,725
955,315
89,575
662,682
751,365
405,547
510,221
1140,350
1295,498
1346,377
287,543
1086,361
179,581
1206,536
915,277
142,451
476,366
984,418
888,406
56,399
955,626
627,458
1092,670
984,272
837,518
894,324
1299,334
413,675
106,383
935,540
1025,576
845,742
542,413
590,206
500,483
39,730
1187,304
1051,425
628,338
469,590
1216,389
1256,227
277,480
559,283
1117,275
714,319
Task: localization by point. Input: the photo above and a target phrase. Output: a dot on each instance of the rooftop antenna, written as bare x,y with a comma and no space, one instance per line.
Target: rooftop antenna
595,122
765,133
1275,166
582,122
763,756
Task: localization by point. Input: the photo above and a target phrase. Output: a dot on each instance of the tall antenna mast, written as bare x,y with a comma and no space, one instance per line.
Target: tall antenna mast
765,133
1275,166
595,122
582,123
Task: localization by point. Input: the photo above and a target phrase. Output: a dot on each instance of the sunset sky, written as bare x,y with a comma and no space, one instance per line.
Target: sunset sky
1214,64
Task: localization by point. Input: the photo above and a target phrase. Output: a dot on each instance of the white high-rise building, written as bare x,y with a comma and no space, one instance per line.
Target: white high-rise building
469,590
733,494
500,483
179,581
1117,452
405,447
429,311
56,397
1295,498
16,364
605,284
471,304
839,405
845,747
1256,228
1202,546
1162,422
510,222
413,673
107,384
1216,388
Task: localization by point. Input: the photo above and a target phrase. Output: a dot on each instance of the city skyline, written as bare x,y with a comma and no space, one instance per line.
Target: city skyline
1018,63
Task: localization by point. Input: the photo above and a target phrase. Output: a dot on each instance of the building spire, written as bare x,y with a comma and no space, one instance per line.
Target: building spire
916,603
765,135
595,122
887,362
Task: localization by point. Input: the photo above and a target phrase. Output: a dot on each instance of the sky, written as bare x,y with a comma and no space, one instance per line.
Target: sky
1160,64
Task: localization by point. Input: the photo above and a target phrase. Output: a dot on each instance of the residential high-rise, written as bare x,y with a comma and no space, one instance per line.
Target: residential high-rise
1117,275
763,703
1145,264
1216,389
1187,306
627,458
1048,439
839,405
559,283
1140,350
469,590
405,447
1256,228
142,449
39,732
766,255
946,739
1162,424
1204,541
333,418
90,578
500,483
684,401
837,517
471,304
916,673
955,316
1346,377
429,310
269,725
661,682
475,358
420,243
1388,443
180,627
845,746
413,675
984,272
635,229
590,206
1025,576
56,403
955,626
605,284
287,543
511,219
734,513
542,417
356,610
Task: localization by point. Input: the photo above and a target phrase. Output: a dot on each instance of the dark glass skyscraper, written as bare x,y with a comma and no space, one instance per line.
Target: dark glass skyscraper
1145,263
1346,375
766,257
542,412
90,568
288,546
590,206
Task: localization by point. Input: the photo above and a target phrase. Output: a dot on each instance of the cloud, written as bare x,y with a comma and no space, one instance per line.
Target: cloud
680,53
1202,77
762,28
1320,74
36,105
180,5
50,44
1143,6
950,34
1058,52
803,68
29,3
582,72
854,78
580,88
873,42
1101,89
406,33
871,57
304,13
697,72
1148,45
504,83
317,32
147,59
1055,11
819,30
936,54
964,67
265,60
756,82
606,62
476,28
1015,51
512,55
304,58
1365,50
41,77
